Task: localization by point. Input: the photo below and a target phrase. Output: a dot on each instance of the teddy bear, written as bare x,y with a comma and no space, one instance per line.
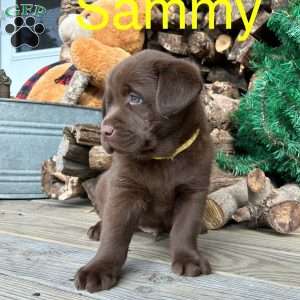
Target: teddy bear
90,52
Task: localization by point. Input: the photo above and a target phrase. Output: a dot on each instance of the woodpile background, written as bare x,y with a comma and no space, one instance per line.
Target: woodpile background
223,60
78,159
224,63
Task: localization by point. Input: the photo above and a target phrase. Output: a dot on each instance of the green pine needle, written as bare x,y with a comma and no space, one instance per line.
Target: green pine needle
267,122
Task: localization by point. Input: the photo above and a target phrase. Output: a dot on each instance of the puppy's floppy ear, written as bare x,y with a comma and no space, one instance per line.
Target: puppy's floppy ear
179,82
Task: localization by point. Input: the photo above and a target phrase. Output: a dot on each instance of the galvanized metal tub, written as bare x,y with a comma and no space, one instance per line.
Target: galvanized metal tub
30,133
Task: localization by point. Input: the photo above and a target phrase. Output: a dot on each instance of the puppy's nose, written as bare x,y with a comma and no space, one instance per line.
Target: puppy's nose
107,130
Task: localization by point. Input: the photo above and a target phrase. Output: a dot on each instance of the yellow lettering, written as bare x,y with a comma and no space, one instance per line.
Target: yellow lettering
125,20
248,24
165,8
95,9
211,7
133,13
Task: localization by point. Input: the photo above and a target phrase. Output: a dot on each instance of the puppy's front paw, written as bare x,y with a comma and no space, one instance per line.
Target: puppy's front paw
96,276
191,265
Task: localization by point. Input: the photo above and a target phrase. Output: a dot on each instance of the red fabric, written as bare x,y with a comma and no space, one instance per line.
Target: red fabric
28,85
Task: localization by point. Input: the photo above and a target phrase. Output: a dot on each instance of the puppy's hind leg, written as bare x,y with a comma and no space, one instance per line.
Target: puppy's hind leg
94,232
98,201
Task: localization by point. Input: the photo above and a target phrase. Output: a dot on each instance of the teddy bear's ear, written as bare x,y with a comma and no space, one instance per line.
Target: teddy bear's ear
69,29
179,84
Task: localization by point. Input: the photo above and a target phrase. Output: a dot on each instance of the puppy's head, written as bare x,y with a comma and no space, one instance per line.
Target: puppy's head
145,98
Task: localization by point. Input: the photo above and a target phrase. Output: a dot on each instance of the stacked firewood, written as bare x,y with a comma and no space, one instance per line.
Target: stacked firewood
218,51
75,169
220,100
255,200
79,158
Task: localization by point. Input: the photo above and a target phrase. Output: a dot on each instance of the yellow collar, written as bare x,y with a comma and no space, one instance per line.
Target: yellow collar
181,148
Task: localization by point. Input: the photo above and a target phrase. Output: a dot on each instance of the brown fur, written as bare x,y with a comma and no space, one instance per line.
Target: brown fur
137,191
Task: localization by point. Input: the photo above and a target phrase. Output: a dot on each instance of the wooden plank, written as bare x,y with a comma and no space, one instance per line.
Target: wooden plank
238,234
47,207
267,264
19,288
51,208
80,216
54,265
230,256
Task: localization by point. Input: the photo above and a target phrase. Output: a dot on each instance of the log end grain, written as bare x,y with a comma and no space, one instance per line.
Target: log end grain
213,216
285,217
242,214
256,180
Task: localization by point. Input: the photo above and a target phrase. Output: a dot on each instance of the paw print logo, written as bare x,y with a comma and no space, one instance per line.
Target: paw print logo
25,32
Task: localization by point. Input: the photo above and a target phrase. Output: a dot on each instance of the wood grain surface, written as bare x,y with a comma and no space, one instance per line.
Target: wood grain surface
43,243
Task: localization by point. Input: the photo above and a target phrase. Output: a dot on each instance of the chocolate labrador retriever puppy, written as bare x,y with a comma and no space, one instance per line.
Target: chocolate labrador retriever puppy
156,129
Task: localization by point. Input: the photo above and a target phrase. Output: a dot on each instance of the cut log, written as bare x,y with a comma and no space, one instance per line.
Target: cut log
174,43
201,45
86,134
223,203
241,50
223,141
223,43
260,20
220,179
173,15
99,159
51,184
156,16
77,86
202,22
72,188
255,200
76,153
68,132
74,169
218,108
278,209
57,185
276,4
235,15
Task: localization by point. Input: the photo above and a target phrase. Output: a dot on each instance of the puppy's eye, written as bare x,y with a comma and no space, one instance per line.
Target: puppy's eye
134,99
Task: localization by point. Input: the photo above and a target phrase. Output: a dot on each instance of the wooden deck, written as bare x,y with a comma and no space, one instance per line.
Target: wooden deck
43,243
